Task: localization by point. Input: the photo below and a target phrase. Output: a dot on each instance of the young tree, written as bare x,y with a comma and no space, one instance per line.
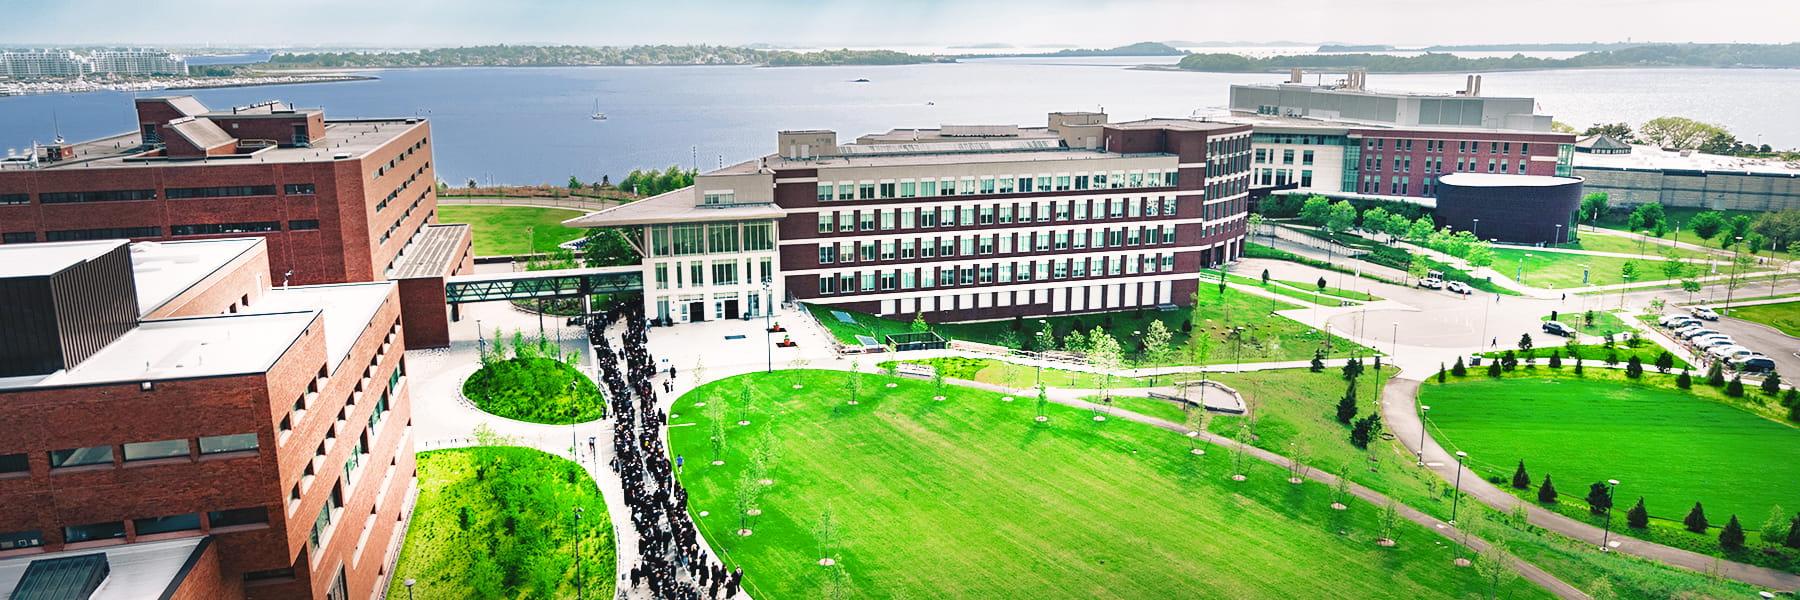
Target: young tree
1521,480
1353,368
856,381
1074,342
826,531
1315,211
1340,490
715,412
1525,343
1592,205
1157,343
1732,536
1043,399
1774,529
1556,359
1735,389
1696,519
937,382
1494,369
1106,355
1418,267
1599,498
1509,360
1346,406
1365,430
1684,380
1459,369
1664,362
1318,361
1547,491
1634,368
919,325
1715,375
1443,374
1771,383
1578,365
1492,565
1637,517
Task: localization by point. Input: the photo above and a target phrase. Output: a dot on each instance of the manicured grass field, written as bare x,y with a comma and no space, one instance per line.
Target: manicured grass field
1670,446
1557,270
1331,291
511,230
1266,338
535,390
1784,316
1016,376
1653,249
969,498
1602,323
498,522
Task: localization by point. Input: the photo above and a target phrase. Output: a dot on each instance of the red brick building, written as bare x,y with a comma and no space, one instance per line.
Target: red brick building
155,394
337,200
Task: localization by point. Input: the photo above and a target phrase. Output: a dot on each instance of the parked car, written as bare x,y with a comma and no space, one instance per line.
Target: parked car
1673,321
1459,287
1744,354
1558,328
1710,340
1704,313
1727,351
1755,364
1694,332
1431,283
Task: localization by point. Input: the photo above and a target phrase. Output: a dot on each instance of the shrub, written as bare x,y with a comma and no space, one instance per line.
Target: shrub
1346,407
1664,362
1735,389
1365,430
1442,373
1790,398
1556,359
1771,385
1637,517
1458,369
536,390
1599,498
1732,537
1494,369
1684,380
1715,375
1547,491
1696,519
1634,368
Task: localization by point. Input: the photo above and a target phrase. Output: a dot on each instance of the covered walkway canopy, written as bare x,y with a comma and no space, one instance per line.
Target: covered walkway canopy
557,283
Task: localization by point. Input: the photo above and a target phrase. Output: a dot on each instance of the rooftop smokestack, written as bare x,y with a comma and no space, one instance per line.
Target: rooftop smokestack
1477,86
1294,75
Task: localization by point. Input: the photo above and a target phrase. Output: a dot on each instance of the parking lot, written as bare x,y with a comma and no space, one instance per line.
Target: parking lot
1773,344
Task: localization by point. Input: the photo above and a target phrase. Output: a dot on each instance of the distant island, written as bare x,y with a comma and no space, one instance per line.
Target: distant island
1550,47
1778,56
547,56
1138,49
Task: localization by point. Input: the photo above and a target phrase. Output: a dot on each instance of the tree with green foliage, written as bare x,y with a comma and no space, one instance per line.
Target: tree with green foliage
1578,365
1046,338
1420,230
1593,205
1774,529
1706,224
1790,397
1684,380
1680,133
1696,519
1346,406
1646,216
1158,345
1315,211
1458,369
575,183
1341,217
1375,219
1520,479
1494,369
1493,566
1556,359
1638,517
1546,491
1075,341
1731,538
1389,520
826,533
920,326
1664,362
1365,430
1599,498
1715,375
1318,361
1443,373
1509,360
1106,355
1634,368
1735,389
1418,267
1618,131
1794,412
1793,533
1771,383
1353,368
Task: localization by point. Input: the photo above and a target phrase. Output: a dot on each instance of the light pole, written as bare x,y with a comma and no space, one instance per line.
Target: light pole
1394,344
1611,499
1422,410
768,326
409,583
1040,357
1476,231
1731,285
1457,499
580,587
1559,237
1520,275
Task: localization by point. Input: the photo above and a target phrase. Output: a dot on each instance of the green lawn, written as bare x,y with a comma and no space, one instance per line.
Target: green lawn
512,230
1594,322
1675,215
535,390
969,498
1556,270
1267,337
1670,446
1294,411
1016,376
1784,316
1649,248
497,522
1331,291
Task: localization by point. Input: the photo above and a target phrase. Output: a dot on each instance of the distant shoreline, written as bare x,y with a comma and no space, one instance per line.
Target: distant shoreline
1317,70
237,83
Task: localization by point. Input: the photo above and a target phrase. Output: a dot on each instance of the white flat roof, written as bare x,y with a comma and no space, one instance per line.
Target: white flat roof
136,571
1653,158
348,307
183,348
163,270
38,260
1498,180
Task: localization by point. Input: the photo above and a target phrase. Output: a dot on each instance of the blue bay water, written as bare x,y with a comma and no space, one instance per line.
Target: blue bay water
532,125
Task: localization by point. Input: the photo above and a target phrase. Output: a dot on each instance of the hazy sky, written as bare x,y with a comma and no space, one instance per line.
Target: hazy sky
863,23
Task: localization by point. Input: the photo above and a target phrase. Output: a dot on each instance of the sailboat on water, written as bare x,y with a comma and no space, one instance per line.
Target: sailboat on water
598,116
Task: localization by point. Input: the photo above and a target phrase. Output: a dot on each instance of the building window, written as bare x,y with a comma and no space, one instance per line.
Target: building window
887,189
12,540
225,228
303,224
827,255
94,531
214,444
866,219
867,249
109,233
168,524
298,189
725,272
14,463
237,516
18,237
100,196
155,450
230,191
15,199
824,192
865,191
887,220
76,457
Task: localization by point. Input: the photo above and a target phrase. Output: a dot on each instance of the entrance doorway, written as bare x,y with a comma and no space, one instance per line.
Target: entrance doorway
697,311
731,309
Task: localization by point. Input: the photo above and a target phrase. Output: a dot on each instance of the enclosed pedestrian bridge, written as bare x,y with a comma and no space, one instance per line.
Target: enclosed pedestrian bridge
558,283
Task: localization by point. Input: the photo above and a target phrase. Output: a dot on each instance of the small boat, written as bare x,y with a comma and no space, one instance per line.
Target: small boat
930,103
598,116
859,81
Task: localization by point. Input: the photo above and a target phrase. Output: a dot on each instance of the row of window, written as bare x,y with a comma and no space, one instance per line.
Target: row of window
981,245
989,214
395,161
1399,185
132,452
1283,176
724,272
105,233
216,519
403,217
1004,184
220,192
927,277
1267,155
181,193
1439,146
110,233
711,238
392,195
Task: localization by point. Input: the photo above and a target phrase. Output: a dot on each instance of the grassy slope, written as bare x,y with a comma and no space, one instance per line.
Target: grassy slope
507,230
1269,337
1561,270
1604,322
1650,250
1784,316
482,559
967,498
1296,406
1669,446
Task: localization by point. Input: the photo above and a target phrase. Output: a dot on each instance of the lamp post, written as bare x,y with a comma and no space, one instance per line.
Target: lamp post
1040,358
768,326
580,587
1559,237
1476,231
409,583
1520,275
1394,344
1422,410
1457,499
1611,498
1731,285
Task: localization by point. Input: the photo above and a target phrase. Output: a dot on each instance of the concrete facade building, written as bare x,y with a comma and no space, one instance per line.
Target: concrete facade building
957,223
259,433
338,201
68,63
1644,174
1520,209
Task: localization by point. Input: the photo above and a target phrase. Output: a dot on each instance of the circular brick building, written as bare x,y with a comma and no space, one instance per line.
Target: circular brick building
1523,209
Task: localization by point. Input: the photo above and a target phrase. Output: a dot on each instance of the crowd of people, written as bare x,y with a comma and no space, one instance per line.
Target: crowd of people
670,563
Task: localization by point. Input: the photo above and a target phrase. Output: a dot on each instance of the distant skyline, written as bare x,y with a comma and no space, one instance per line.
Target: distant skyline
884,23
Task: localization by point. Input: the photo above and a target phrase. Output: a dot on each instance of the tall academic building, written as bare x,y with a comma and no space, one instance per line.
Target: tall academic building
956,223
173,425
337,200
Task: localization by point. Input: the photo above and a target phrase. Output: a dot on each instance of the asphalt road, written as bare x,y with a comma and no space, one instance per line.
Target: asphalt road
1765,339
